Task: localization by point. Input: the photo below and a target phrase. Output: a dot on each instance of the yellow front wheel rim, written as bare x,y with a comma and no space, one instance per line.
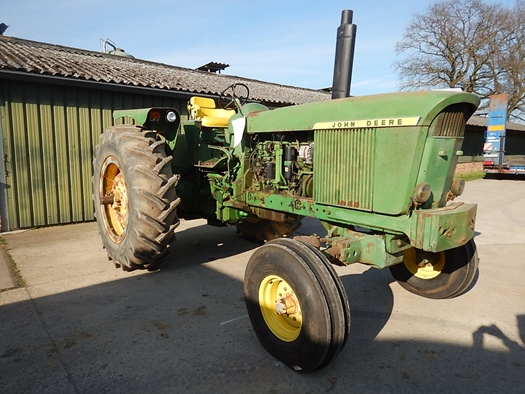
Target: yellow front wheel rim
280,308
424,265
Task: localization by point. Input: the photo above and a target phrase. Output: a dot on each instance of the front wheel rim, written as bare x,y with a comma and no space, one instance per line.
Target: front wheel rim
280,308
424,265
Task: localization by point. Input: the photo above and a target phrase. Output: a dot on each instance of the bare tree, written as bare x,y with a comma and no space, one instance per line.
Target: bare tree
509,66
468,44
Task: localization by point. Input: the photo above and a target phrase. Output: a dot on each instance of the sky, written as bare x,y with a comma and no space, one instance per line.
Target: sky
287,42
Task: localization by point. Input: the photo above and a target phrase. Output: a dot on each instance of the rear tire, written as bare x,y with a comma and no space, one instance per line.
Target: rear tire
134,197
446,275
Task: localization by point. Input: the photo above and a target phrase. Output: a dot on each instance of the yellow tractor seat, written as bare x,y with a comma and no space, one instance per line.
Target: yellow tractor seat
203,109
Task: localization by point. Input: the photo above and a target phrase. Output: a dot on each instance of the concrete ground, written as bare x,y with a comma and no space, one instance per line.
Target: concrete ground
82,326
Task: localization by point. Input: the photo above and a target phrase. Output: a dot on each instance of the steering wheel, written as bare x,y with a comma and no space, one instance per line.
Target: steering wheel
234,96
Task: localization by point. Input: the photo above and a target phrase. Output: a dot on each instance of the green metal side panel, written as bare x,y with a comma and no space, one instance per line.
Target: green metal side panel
49,134
398,153
71,127
50,179
34,169
86,151
62,161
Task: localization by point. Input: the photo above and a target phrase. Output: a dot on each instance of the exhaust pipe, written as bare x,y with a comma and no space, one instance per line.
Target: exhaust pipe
344,56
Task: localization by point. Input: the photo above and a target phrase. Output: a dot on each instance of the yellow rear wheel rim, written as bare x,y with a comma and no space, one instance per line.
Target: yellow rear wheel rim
424,265
276,295
113,186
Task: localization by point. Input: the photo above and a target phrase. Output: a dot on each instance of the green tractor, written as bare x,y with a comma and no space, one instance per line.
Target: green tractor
376,171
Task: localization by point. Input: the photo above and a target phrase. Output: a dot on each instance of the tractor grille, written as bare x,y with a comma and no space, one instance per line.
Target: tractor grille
451,122
343,167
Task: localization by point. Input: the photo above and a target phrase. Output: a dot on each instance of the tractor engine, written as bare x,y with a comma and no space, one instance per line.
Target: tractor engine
283,165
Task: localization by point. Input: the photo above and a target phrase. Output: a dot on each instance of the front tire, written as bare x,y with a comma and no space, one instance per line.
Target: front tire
438,275
134,197
334,292
294,305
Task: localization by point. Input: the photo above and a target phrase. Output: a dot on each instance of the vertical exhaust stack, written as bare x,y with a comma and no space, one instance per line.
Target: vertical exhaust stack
344,56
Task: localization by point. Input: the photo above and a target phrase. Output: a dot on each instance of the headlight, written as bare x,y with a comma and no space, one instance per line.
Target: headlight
422,193
458,186
171,116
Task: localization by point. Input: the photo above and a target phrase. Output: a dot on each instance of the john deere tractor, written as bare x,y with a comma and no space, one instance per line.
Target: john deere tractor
376,171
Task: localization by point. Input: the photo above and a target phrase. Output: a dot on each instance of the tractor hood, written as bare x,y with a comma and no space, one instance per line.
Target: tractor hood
420,107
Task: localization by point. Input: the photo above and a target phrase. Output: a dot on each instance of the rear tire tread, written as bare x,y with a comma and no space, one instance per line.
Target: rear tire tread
152,201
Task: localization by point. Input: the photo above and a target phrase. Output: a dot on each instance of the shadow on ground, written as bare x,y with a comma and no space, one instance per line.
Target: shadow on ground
185,329
516,177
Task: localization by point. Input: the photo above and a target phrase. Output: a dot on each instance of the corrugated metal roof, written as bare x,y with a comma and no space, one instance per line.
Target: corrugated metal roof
53,60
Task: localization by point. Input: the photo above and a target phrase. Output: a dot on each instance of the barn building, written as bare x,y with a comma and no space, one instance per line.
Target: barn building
56,101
